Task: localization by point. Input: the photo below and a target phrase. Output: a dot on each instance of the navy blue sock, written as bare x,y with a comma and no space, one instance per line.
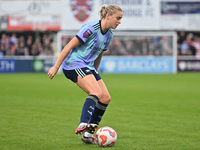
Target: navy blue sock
88,108
98,112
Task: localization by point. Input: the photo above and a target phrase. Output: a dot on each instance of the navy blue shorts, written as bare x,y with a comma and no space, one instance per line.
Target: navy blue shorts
82,72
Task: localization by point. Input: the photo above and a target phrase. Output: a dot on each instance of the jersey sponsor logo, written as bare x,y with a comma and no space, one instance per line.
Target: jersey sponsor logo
81,9
87,33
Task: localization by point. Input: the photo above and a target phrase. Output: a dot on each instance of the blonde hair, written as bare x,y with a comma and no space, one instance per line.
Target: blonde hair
111,9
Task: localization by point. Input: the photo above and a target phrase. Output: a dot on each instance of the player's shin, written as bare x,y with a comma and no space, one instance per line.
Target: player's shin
98,112
88,108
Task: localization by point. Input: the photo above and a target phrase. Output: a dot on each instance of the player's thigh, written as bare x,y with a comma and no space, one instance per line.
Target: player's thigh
105,98
89,85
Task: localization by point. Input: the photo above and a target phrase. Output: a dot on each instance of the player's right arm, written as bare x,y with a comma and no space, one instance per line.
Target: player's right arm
66,50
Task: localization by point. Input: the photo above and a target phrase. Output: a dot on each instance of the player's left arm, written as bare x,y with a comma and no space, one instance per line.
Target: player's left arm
98,61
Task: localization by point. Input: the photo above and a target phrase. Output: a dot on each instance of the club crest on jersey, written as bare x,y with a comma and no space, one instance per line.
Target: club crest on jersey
87,33
81,8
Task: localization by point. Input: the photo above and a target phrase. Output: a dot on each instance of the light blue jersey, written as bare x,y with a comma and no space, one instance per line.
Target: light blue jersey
93,43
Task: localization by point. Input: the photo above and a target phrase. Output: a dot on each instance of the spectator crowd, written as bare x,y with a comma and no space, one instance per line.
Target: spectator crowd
141,46
136,46
188,44
14,45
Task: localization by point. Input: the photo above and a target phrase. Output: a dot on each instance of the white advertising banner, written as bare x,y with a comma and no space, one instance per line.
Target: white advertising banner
137,14
180,14
32,14
72,14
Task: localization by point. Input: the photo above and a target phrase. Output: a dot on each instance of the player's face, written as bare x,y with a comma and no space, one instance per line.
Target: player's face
115,19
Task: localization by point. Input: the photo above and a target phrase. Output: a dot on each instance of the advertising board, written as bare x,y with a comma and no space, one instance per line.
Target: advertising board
33,14
72,14
7,65
31,64
188,65
181,15
137,65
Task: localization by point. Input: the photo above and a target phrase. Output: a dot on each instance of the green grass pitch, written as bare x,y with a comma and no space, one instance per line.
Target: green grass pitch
148,112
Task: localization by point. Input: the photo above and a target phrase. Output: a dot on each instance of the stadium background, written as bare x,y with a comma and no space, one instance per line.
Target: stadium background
33,32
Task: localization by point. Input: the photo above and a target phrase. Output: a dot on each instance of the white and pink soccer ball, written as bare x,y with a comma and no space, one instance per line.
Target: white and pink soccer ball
106,137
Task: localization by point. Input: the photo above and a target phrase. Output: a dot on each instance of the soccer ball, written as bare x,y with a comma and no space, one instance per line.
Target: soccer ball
106,137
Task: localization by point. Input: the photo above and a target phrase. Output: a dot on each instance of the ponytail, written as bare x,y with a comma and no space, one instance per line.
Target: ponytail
111,9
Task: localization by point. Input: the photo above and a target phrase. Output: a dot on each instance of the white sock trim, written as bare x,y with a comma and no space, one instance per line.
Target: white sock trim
82,123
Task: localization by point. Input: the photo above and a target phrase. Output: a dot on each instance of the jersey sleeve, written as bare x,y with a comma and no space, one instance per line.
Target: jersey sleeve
84,33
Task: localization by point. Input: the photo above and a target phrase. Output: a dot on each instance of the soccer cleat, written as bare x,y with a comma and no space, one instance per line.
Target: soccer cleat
86,127
88,140
91,127
81,128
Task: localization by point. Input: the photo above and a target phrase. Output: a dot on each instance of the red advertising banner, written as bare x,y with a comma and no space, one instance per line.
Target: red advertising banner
34,22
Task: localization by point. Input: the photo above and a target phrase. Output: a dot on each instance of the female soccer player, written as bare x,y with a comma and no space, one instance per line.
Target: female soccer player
80,59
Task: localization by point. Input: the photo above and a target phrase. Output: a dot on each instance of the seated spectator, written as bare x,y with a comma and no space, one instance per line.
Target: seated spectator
13,39
2,50
3,39
181,37
29,45
40,49
47,47
184,48
14,48
26,51
20,50
65,40
21,39
34,50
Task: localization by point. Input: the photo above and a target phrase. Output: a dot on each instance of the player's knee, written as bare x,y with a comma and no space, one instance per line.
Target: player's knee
106,99
99,94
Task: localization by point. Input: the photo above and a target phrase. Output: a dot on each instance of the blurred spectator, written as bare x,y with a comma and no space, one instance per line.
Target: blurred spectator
129,46
144,48
184,48
2,50
14,48
3,39
20,50
29,45
181,37
40,48
13,39
21,39
26,51
196,43
7,46
47,47
34,50
65,40
188,44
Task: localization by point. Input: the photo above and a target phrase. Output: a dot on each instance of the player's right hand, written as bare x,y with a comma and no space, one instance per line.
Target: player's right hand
52,72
